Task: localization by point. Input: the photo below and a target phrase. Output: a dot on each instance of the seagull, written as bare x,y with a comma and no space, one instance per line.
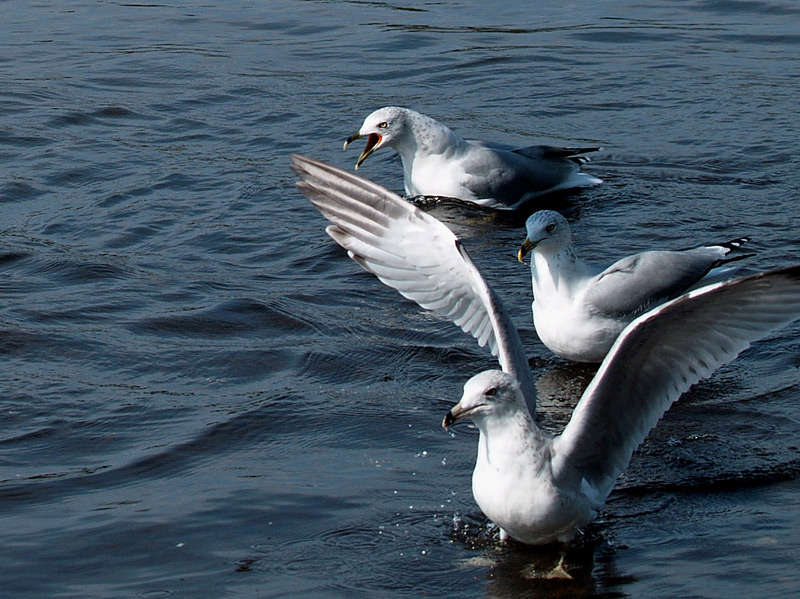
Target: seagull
579,310
540,488
437,162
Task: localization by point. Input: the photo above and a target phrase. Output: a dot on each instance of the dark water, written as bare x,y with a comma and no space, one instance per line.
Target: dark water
201,396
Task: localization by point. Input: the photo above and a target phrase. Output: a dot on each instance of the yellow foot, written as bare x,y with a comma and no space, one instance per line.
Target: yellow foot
559,572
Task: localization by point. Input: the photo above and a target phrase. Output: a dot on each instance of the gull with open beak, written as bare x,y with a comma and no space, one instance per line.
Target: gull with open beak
537,487
437,162
579,309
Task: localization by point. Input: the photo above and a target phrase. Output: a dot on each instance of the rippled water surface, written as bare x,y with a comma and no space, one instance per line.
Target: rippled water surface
202,396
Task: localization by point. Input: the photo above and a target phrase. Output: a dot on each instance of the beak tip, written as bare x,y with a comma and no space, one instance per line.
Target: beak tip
351,139
527,246
448,420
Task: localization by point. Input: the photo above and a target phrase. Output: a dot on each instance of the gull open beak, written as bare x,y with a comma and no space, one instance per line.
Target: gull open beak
372,141
527,246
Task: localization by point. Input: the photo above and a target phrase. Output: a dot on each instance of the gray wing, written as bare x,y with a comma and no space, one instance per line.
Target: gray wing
508,175
658,357
635,284
415,254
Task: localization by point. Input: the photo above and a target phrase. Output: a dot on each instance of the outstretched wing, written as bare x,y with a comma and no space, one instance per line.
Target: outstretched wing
415,254
658,357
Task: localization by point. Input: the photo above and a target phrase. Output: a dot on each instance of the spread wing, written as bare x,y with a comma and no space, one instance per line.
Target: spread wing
415,254
658,357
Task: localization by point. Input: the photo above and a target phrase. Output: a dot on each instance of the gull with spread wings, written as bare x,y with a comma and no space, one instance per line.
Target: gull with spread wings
536,487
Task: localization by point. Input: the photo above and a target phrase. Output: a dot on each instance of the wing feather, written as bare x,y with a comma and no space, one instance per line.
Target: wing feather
415,254
658,357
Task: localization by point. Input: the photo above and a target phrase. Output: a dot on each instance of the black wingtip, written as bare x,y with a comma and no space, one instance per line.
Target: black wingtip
735,244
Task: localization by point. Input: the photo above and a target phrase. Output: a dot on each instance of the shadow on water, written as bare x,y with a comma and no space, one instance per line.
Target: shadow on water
585,571
456,213
585,567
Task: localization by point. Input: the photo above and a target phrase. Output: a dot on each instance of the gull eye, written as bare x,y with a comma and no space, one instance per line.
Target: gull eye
491,392
383,125
550,228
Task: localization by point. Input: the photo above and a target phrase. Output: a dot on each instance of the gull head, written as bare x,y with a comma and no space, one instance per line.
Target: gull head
547,230
381,128
489,395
